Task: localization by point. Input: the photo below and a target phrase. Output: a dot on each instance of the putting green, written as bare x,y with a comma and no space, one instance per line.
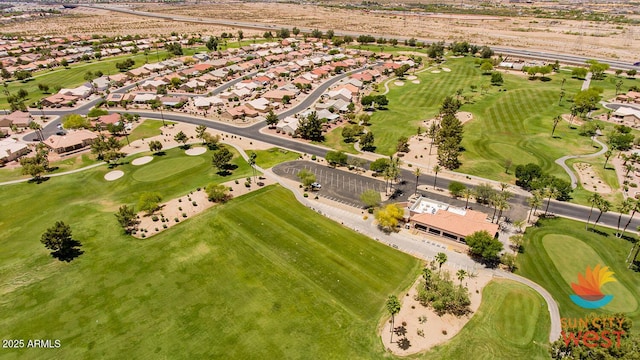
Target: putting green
572,256
165,168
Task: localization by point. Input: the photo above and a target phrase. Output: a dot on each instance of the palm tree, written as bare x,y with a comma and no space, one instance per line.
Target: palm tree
393,306
436,169
550,192
461,275
417,173
603,206
441,258
252,163
556,120
594,199
467,193
607,155
502,205
634,209
629,260
535,202
623,208
38,128
629,167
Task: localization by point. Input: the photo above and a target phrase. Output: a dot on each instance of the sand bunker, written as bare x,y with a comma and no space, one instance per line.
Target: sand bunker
411,77
464,116
446,69
416,81
435,71
113,175
141,161
398,83
196,151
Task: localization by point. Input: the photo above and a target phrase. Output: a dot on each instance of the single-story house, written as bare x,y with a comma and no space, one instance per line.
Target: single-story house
20,119
288,125
80,92
109,119
340,94
11,149
173,100
260,104
626,114
239,112
58,99
73,140
278,95
202,102
440,219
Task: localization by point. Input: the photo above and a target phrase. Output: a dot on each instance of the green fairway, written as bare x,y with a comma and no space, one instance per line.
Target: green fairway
512,121
557,250
68,164
272,157
148,128
582,255
160,170
511,323
259,277
334,140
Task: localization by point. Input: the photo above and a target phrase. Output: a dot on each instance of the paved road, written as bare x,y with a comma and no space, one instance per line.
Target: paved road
562,161
548,56
346,186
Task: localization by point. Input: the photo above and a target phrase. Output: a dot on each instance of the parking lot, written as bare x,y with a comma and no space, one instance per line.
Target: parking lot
339,185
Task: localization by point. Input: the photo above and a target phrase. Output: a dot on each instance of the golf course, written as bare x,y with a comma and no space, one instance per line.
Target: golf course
556,251
258,277
511,323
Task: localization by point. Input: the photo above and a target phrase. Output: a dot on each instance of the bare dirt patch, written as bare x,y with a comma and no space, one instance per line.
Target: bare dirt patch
590,179
437,329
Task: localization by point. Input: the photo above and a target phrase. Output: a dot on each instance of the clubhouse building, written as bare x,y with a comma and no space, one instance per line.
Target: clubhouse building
441,219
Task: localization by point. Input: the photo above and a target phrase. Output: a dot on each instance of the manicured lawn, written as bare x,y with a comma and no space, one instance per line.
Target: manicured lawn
557,246
511,323
512,121
334,140
148,128
557,250
274,156
258,277
412,103
72,163
516,124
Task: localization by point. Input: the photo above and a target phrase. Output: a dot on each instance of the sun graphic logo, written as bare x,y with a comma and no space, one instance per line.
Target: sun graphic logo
588,293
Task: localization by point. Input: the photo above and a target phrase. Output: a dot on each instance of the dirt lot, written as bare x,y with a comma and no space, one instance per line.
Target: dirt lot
596,39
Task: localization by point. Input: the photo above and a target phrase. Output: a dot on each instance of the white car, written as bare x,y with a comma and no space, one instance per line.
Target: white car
316,186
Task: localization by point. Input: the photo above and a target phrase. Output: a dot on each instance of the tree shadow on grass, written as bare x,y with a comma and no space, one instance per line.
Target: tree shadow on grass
599,232
39,179
160,153
69,252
